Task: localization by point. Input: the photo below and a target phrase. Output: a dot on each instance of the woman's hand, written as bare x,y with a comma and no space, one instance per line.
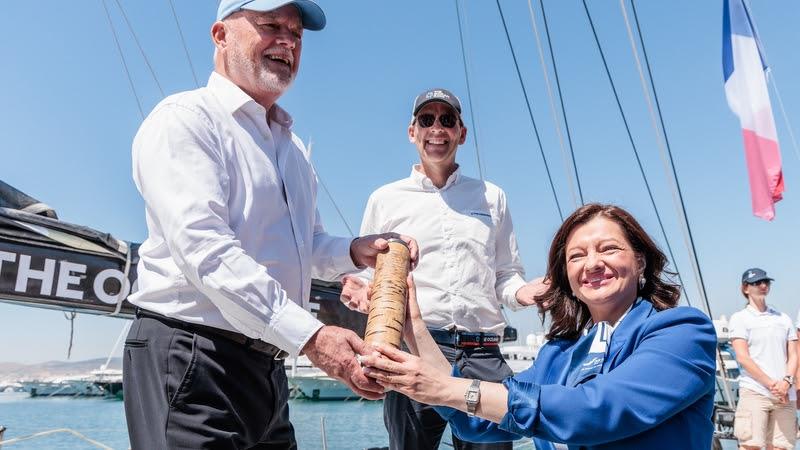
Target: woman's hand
408,374
413,316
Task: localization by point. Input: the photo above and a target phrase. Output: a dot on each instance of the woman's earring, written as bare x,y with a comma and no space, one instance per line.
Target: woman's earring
642,281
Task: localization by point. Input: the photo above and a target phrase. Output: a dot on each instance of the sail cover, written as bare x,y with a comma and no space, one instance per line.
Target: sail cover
47,263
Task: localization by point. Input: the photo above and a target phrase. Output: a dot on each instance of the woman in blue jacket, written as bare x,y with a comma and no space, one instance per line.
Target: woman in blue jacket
623,368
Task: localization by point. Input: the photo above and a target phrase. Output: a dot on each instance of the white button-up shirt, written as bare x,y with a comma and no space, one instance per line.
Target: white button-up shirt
234,235
468,256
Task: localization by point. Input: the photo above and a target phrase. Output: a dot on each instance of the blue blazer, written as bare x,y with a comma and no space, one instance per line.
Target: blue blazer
655,389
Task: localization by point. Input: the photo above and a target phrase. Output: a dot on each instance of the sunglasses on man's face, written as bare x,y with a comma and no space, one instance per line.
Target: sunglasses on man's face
447,120
756,283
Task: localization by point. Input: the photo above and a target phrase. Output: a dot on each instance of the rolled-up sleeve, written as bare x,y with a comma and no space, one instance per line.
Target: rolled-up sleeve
508,267
182,177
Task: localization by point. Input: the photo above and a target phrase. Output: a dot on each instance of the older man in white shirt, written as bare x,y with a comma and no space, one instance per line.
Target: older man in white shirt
469,262
233,241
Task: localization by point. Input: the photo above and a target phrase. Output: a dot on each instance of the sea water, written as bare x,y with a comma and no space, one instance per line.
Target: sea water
347,425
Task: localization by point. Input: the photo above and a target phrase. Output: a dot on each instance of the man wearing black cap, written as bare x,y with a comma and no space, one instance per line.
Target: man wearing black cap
233,242
469,262
765,344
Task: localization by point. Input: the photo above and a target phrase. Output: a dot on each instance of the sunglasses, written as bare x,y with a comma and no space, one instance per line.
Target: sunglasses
447,120
756,283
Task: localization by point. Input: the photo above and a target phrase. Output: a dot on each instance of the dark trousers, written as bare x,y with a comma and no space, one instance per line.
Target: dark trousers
417,426
185,390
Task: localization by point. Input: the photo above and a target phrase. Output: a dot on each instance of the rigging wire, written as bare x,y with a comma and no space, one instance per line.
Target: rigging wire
124,63
183,42
138,45
771,77
469,91
328,193
561,98
530,111
571,170
628,130
684,215
723,385
659,141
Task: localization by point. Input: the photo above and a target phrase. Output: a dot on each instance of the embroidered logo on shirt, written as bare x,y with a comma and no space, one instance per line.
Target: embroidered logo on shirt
480,213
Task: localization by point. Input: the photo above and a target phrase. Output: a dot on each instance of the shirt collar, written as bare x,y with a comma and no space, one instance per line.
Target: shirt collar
611,327
767,311
233,98
422,180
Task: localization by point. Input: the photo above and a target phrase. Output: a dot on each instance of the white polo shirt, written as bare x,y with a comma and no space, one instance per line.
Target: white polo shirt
767,334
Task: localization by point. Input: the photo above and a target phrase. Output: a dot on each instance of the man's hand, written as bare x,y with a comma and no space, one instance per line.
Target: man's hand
334,350
365,249
355,294
780,389
526,294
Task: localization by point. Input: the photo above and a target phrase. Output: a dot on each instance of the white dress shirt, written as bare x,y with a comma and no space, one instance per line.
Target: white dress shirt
234,235
468,257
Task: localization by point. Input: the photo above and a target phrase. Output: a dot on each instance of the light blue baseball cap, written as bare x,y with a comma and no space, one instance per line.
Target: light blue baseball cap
310,13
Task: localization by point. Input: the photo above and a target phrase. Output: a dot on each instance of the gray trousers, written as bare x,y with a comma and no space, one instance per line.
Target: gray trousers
185,390
417,426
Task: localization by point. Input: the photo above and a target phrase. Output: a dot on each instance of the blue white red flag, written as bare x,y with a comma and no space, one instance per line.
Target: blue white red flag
745,71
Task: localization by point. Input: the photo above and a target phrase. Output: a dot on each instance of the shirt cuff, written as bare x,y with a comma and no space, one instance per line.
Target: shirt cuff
523,407
291,328
510,292
340,257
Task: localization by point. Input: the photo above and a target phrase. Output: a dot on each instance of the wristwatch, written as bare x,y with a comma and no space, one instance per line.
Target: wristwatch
789,379
473,396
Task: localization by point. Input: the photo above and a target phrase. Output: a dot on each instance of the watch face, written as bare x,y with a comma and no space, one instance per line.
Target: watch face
472,397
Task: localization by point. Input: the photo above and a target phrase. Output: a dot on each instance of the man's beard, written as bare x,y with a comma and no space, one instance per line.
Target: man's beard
266,79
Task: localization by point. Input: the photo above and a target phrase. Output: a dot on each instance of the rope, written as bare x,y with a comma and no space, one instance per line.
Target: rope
58,430
570,170
627,128
141,50
469,91
660,142
71,317
183,42
124,63
530,110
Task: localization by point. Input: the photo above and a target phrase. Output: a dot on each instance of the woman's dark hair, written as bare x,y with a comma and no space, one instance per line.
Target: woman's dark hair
568,314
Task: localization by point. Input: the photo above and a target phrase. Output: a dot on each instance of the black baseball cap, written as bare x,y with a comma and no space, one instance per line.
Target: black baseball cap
436,95
754,275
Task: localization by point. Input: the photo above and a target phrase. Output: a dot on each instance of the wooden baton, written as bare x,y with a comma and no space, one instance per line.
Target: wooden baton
387,303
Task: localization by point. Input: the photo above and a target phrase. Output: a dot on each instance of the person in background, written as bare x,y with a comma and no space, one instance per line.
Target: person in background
764,342
234,239
470,266
624,368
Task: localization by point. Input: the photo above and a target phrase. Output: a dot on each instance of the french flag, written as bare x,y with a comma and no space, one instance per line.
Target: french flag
746,90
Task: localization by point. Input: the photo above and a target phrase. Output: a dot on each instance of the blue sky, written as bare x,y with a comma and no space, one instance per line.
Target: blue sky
68,117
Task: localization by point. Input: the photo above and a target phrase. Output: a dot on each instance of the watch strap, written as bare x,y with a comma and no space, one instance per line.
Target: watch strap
473,396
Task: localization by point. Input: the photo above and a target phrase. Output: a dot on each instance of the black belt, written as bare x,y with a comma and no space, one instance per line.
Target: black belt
204,330
462,339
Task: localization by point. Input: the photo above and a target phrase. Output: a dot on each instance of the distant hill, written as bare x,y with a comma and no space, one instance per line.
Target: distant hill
10,371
